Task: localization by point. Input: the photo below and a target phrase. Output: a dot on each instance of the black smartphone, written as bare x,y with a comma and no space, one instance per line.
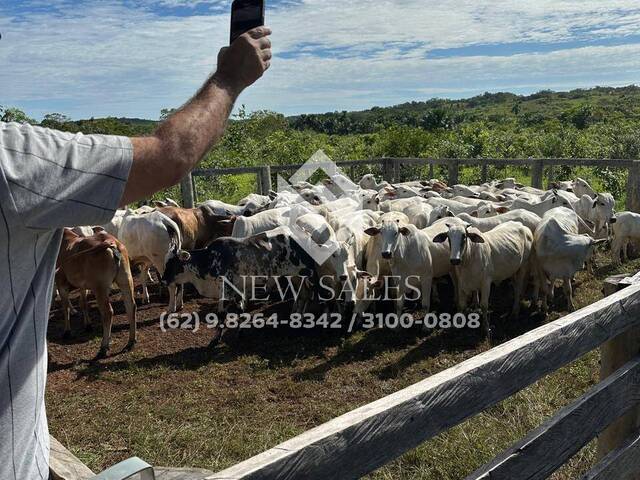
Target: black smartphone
246,15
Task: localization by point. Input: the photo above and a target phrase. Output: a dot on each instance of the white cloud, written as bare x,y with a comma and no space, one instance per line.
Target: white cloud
104,58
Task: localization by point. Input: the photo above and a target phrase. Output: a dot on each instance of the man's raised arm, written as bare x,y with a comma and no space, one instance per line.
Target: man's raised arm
163,159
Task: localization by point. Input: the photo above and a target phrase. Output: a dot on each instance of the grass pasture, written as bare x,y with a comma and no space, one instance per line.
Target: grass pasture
175,401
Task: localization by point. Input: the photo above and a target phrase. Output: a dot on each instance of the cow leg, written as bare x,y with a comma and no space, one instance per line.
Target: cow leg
85,310
144,278
106,313
180,297
125,283
625,250
173,289
568,292
66,307
484,304
521,276
401,294
616,250
427,282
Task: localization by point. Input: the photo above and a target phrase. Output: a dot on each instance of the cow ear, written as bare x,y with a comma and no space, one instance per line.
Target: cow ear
475,236
184,256
373,231
262,241
441,238
404,231
502,209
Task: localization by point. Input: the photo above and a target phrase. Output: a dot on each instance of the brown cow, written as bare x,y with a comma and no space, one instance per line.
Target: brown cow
95,263
199,226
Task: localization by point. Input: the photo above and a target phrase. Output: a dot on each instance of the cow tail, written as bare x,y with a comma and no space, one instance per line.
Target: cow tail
173,230
117,256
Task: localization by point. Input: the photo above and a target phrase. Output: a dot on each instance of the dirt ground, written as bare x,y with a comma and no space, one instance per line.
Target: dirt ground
177,400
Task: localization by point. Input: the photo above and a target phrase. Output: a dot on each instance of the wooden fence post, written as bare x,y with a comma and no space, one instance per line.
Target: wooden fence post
264,180
552,175
453,172
633,188
484,172
396,170
431,171
614,354
387,169
537,174
186,189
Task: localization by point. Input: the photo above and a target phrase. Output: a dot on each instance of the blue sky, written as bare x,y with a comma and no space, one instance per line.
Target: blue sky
135,57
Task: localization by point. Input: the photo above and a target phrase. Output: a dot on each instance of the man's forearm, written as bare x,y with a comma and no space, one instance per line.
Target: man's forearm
181,141
188,134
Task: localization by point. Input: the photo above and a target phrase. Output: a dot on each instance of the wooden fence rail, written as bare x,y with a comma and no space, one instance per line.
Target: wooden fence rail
392,169
367,438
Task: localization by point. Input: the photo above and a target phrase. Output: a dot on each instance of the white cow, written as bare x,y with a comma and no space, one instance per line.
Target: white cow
526,218
581,187
456,207
625,230
554,200
482,259
369,182
149,238
406,248
561,252
423,215
260,222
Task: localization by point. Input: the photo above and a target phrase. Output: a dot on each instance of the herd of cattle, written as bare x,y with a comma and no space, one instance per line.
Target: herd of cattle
414,232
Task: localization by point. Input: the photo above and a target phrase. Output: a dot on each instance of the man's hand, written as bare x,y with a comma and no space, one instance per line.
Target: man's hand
245,61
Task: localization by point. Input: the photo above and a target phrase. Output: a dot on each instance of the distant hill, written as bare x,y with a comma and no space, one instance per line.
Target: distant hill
579,107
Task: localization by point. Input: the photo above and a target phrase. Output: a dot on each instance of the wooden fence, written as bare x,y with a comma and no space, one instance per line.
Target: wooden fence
367,438
392,168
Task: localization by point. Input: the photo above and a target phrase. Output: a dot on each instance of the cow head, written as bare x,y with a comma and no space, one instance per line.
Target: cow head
391,231
459,236
175,265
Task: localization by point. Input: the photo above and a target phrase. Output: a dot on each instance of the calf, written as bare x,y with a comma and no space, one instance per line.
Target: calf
95,263
267,256
482,259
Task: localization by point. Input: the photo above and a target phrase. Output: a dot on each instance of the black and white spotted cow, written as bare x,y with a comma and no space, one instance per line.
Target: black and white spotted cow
245,269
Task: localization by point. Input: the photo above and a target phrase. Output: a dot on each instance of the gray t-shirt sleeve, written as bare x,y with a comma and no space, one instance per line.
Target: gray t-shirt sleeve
56,179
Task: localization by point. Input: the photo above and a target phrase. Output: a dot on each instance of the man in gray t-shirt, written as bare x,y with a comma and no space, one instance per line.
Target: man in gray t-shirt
49,180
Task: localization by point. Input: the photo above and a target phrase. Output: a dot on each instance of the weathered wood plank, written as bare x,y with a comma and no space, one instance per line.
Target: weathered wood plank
548,447
621,464
633,188
168,473
537,174
613,354
213,172
454,172
366,438
64,465
186,188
